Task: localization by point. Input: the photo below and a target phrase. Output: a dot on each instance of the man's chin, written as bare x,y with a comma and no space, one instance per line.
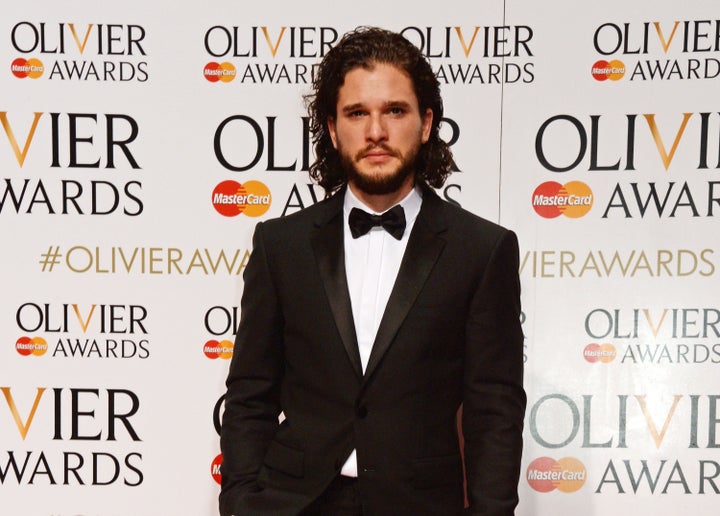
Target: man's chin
379,185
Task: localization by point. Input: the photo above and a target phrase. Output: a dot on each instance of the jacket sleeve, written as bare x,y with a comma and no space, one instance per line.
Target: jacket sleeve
494,399
252,400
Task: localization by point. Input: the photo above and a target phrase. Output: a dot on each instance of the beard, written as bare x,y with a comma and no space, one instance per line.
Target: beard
381,183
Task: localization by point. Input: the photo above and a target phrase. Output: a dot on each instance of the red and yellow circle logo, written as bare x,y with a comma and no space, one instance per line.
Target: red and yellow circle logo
231,198
546,474
604,70
223,72
215,469
22,68
36,346
604,353
573,199
214,349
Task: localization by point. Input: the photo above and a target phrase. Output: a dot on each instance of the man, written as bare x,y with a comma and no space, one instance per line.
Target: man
368,332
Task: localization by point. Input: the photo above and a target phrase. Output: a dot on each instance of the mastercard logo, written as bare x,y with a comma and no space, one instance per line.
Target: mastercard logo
215,469
231,198
214,349
31,346
22,68
604,353
224,72
546,474
604,70
573,199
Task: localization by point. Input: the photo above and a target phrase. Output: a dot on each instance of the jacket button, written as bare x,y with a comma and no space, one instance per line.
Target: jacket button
362,411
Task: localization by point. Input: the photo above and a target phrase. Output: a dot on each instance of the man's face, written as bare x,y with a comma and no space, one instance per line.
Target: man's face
379,129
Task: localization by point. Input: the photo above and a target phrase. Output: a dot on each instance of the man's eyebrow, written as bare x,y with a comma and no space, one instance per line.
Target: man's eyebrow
389,104
398,103
351,107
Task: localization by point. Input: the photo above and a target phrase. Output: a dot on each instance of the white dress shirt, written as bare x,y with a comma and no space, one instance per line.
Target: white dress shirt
372,262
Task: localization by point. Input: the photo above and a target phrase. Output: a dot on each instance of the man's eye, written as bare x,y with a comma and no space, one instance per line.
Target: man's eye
397,111
355,114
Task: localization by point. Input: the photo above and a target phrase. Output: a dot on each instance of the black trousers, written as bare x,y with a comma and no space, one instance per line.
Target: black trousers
341,498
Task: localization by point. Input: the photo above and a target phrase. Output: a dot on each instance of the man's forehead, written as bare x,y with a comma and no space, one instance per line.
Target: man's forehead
372,67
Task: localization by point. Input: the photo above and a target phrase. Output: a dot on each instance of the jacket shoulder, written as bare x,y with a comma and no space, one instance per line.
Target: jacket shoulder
466,223
302,221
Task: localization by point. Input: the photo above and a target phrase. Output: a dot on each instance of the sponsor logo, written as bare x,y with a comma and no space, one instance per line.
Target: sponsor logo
613,427
477,55
219,72
36,346
98,52
659,51
604,353
219,321
215,469
214,349
94,331
552,199
22,68
666,336
636,152
266,55
231,198
603,70
545,474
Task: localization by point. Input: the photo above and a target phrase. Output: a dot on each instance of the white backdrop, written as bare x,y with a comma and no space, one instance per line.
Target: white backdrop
121,276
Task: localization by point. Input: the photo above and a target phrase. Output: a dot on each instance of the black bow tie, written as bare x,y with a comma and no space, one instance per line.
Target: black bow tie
393,221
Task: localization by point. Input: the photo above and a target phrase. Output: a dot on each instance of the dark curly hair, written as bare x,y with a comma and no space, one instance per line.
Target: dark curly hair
364,47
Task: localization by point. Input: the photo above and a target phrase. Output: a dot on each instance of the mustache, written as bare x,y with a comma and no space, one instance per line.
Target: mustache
381,146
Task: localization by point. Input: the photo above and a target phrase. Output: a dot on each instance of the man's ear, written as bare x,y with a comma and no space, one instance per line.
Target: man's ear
331,130
427,124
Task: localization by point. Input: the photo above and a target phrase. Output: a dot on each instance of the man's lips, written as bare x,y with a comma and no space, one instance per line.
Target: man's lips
377,154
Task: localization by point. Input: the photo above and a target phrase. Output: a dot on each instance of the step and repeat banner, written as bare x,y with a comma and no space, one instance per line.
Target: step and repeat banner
141,142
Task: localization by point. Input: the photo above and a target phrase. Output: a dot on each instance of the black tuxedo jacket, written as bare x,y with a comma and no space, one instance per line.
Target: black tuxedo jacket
450,335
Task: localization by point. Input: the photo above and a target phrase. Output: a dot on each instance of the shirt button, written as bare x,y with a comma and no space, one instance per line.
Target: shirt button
362,411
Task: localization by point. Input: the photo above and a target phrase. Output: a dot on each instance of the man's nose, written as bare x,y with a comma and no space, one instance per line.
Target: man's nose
376,129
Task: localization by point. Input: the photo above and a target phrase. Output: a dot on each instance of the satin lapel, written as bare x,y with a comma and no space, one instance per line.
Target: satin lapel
423,249
327,244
